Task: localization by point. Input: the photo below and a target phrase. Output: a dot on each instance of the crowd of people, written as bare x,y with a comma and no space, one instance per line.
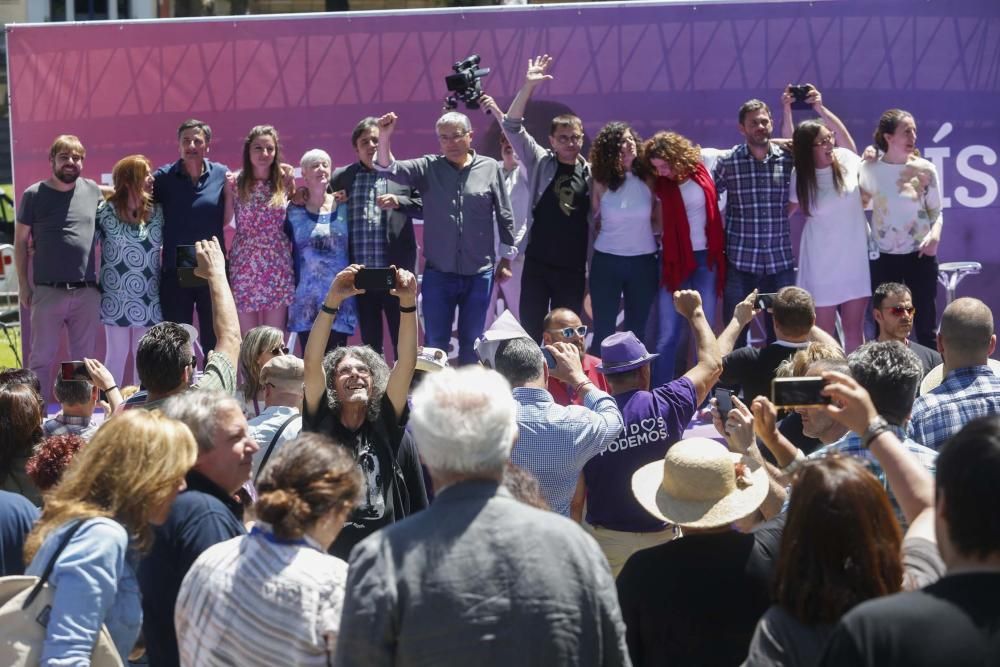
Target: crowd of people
550,501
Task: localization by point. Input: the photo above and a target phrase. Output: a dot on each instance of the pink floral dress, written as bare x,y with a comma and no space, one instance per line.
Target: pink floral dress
260,261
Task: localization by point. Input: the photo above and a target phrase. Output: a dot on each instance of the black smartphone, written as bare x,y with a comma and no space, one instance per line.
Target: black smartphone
550,360
187,261
724,401
74,370
800,92
375,279
766,300
798,392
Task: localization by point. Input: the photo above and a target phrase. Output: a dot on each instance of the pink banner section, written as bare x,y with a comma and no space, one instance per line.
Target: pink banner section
124,87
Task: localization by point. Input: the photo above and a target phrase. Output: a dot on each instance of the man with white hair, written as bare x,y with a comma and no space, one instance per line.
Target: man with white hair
463,193
478,578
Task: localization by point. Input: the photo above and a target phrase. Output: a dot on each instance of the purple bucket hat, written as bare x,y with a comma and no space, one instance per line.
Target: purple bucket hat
622,351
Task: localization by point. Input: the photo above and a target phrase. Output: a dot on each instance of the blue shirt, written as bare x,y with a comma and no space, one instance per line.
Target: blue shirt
850,445
95,583
191,211
966,394
17,516
555,441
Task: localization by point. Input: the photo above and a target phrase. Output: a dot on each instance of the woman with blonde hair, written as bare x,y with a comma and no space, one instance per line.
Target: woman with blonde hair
120,484
260,345
130,229
261,256
306,494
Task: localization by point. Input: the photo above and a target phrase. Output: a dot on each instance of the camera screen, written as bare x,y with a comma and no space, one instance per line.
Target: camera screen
186,257
798,391
73,370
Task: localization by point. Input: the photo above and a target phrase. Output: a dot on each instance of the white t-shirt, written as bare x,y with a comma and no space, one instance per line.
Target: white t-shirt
833,255
906,202
694,205
626,226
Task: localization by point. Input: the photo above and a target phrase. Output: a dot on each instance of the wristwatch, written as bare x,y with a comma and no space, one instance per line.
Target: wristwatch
876,427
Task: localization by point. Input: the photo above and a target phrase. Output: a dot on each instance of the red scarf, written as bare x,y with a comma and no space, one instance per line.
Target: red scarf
678,257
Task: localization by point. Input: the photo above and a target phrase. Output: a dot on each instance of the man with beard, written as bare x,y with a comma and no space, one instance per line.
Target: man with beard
380,220
562,325
352,396
755,176
56,217
892,308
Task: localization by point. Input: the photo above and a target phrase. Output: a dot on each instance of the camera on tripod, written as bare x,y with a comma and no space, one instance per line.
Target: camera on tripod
466,83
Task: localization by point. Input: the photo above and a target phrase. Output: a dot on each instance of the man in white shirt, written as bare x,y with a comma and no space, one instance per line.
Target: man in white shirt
281,419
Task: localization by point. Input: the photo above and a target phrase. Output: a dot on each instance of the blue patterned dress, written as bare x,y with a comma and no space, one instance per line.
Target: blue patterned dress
130,268
319,252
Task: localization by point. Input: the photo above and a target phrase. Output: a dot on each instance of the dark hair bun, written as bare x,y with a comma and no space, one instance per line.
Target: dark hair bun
284,508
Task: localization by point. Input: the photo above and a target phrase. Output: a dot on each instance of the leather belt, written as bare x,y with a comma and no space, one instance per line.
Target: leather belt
71,286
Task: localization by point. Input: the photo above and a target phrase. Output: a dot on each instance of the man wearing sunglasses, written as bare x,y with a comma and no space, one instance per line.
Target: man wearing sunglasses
892,308
562,325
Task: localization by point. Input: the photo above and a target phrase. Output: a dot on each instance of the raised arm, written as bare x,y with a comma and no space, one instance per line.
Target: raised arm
706,372
341,288
103,380
742,314
386,125
402,373
535,76
405,172
225,322
739,433
787,119
840,133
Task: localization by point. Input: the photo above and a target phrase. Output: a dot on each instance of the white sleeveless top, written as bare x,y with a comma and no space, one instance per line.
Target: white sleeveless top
625,220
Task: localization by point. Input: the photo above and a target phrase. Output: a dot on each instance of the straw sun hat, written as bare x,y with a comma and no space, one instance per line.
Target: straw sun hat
700,484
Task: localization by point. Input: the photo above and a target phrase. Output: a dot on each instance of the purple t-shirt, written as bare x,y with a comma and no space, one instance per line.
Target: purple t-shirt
654,420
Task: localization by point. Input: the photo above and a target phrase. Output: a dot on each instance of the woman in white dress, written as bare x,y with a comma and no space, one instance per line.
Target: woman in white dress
833,257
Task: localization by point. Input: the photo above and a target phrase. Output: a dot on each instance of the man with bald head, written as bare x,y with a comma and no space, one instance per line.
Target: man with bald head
562,325
970,389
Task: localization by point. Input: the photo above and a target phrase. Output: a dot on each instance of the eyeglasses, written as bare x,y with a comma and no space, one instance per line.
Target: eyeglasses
569,332
899,311
280,350
445,138
828,141
569,138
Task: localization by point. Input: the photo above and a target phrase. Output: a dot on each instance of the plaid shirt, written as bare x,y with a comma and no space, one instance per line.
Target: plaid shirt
62,424
366,222
554,441
850,445
966,394
758,236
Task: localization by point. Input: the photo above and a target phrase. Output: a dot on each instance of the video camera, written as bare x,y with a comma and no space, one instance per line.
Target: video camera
465,83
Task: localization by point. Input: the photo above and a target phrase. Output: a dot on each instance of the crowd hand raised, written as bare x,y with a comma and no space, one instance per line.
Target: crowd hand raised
738,428
814,98
537,70
765,420
852,405
687,302
99,375
490,107
384,202
406,288
342,287
211,261
387,123
568,366
746,309
786,97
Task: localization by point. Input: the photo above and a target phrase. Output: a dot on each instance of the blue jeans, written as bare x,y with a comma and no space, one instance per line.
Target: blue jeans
442,293
672,323
612,276
740,283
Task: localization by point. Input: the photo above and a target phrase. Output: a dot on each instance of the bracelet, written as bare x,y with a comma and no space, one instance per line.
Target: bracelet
111,388
329,311
404,309
578,387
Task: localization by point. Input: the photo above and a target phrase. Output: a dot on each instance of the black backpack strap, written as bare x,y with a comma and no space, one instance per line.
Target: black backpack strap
270,446
51,564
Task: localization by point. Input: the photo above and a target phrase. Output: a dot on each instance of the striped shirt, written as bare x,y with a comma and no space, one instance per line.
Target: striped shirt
758,236
259,600
966,394
554,441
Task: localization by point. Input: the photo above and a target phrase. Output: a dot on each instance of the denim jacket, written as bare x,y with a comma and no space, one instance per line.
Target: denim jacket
95,584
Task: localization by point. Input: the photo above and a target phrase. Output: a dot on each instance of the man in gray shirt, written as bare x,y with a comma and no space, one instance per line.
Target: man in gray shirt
57,216
463,193
478,578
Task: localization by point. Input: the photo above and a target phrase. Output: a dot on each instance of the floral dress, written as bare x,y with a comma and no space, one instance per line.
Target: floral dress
320,252
130,268
260,261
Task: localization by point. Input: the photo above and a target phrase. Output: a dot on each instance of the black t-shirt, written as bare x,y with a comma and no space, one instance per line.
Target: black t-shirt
753,368
376,447
954,622
559,228
929,358
696,600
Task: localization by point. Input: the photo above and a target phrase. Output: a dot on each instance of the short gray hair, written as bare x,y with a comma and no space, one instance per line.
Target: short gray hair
464,421
967,326
519,360
891,374
376,366
454,118
199,410
312,156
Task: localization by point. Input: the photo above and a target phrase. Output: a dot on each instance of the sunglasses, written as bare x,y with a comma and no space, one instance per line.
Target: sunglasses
569,332
899,311
280,350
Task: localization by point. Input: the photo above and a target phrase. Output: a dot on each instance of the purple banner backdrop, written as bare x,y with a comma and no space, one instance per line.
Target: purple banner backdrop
124,87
